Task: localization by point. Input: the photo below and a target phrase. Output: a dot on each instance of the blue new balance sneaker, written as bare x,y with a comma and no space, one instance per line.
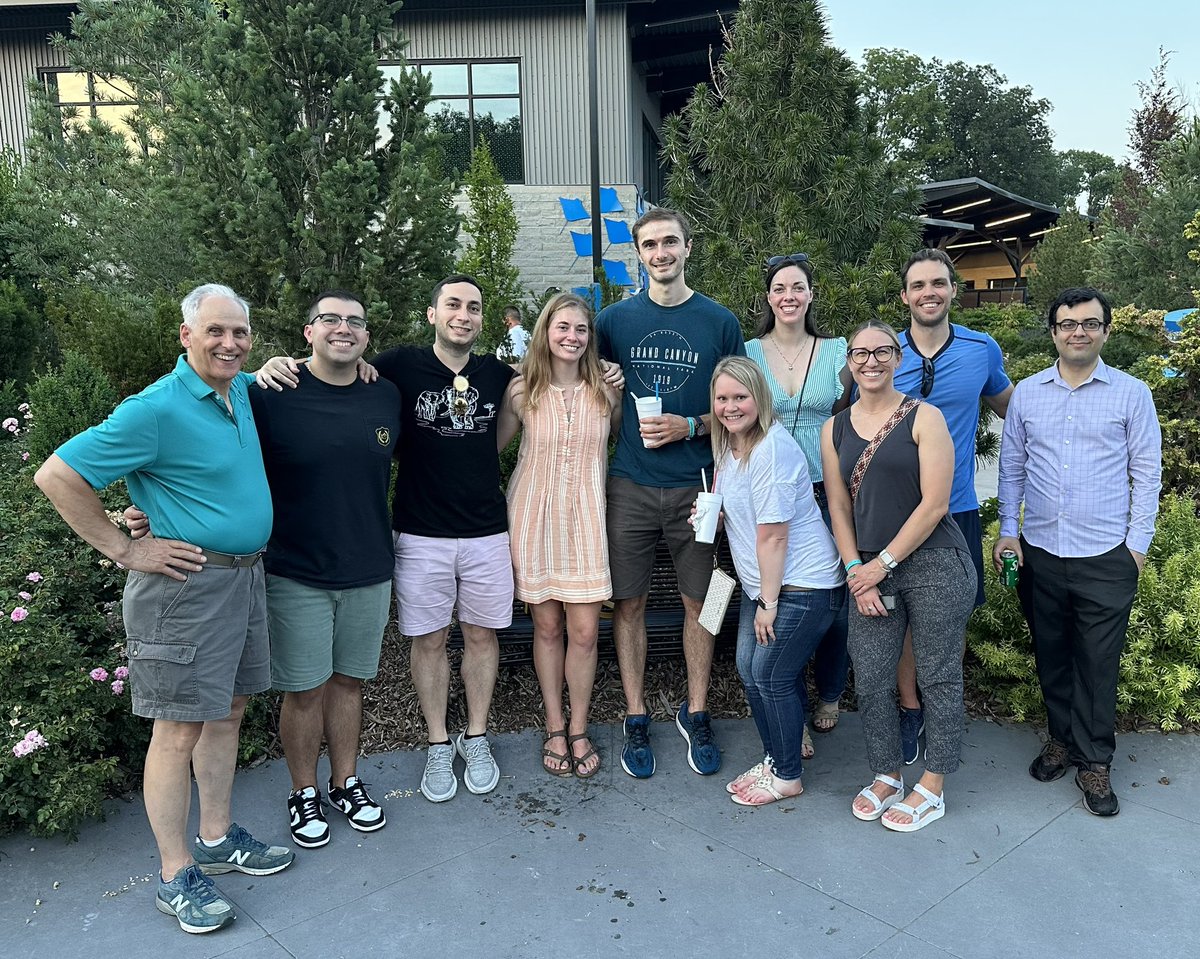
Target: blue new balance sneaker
637,758
194,901
703,755
912,724
241,852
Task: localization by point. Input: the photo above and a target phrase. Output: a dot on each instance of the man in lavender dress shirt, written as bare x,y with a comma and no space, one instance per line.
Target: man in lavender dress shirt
1083,450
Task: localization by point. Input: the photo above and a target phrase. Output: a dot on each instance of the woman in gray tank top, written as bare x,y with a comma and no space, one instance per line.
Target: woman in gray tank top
889,464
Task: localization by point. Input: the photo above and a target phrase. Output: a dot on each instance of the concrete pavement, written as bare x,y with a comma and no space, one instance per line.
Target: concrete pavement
663,867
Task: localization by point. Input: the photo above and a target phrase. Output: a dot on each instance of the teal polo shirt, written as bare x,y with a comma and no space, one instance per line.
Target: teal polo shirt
191,465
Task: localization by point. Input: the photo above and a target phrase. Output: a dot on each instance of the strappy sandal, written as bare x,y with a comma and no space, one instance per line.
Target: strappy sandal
806,745
880,805
578,763
825,716
750,775
762,792
562,772
931,810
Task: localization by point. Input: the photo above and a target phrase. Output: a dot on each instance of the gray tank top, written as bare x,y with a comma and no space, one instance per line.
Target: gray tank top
891,486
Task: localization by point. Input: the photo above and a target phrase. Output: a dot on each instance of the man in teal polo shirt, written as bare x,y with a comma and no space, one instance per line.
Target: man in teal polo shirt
194,614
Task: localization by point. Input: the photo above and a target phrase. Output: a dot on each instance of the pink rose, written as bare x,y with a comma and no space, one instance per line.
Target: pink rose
24,457
26,597
121,672
11,424
118,687
23,408
99,674
35,577
19,614
23,748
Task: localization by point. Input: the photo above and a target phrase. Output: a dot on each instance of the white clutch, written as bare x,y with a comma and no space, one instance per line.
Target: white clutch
716,601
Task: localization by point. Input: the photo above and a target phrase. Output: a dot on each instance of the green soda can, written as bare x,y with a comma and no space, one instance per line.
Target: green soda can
1009,574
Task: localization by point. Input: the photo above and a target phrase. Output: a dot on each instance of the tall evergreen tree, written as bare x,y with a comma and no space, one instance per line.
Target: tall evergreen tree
256,160
777,155
492,226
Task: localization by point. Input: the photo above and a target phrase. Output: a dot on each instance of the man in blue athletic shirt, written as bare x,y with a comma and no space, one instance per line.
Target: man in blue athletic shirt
668,339
953,368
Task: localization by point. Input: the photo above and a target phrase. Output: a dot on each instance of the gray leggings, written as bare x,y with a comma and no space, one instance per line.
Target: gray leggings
935,593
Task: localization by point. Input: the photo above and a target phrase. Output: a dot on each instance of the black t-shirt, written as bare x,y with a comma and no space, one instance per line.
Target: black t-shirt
448,484
328,453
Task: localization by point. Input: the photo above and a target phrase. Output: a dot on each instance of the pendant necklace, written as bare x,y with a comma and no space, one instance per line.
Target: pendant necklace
791,364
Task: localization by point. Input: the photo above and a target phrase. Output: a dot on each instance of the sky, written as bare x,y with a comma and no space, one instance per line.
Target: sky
1084,57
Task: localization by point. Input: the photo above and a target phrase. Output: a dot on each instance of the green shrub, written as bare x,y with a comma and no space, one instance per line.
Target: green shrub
21,336
67,402
1160,668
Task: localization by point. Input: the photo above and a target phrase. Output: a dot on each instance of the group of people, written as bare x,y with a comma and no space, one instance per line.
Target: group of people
846,470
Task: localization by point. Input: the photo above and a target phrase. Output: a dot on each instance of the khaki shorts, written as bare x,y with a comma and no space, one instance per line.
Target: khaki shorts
196,644
318,632
637,516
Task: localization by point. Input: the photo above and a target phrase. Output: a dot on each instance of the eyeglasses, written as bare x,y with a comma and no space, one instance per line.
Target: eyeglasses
1070,326
927,373
791,259
333,320
882,354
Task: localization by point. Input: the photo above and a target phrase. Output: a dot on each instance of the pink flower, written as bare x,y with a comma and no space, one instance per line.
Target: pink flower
24,457
118,687
22,748
121,672
35,577
33,740
23,408
11,424
19,614
99,674
24,596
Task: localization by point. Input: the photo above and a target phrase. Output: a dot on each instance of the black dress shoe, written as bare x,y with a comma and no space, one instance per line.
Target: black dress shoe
1098,797
1051,762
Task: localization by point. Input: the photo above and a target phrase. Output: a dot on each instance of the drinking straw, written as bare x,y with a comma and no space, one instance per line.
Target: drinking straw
704,481
656,391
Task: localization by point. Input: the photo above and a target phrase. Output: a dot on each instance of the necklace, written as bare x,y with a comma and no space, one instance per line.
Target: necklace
791,364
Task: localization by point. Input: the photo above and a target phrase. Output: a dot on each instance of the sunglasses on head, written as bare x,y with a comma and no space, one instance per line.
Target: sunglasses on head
790,259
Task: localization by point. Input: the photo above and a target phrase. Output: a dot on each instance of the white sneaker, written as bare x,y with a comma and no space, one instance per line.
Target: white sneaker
438,783
482,773
309,828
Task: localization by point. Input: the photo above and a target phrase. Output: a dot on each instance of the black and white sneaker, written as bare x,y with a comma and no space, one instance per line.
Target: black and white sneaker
309,828
362,812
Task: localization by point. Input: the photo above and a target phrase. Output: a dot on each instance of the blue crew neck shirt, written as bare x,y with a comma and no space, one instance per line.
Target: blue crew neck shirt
968,367
673,349
195,468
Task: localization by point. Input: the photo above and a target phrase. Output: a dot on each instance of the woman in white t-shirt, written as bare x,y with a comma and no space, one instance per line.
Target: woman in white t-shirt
791,575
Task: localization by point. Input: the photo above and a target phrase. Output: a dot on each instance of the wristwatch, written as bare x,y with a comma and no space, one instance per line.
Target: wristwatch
886,560
701,429
763,604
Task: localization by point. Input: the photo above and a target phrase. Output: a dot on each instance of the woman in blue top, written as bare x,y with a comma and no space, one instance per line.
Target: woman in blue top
786,560
809,381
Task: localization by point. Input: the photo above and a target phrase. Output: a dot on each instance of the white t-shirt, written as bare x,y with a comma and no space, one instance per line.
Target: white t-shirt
516,342
772,486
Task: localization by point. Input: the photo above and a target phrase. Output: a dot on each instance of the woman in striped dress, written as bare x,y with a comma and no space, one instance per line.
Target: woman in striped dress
809,382
556,513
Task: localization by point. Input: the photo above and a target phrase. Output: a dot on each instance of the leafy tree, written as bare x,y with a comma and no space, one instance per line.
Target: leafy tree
1147,262
492,226
777,155
1061,260
255,160
952,120
1088,172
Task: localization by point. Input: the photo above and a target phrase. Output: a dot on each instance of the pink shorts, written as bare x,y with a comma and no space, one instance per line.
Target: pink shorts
433,575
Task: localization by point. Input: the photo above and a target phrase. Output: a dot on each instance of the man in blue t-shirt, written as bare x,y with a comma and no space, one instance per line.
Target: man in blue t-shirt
194,614
953,368
668,339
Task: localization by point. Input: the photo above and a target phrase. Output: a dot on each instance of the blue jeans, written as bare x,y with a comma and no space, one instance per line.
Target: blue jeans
830,661
769,673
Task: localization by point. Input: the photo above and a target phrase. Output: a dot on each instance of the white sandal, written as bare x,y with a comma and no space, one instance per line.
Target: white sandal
765,782
749,776
933,808
880,805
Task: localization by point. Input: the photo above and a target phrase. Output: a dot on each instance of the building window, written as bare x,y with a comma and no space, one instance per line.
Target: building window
472,100
81,96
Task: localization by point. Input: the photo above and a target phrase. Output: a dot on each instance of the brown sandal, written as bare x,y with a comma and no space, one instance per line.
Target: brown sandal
579,763
559,758
825,717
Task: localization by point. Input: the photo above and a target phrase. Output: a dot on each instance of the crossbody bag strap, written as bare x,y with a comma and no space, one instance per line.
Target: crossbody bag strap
907,405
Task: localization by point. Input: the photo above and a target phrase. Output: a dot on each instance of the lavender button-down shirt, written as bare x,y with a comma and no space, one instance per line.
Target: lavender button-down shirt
1086,461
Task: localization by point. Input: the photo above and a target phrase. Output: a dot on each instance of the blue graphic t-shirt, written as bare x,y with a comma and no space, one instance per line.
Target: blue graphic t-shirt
675,349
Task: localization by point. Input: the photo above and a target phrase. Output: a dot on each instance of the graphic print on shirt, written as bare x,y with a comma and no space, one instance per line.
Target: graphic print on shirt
452,412
663,360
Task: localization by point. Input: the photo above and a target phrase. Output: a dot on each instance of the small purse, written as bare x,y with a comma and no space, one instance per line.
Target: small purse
716,600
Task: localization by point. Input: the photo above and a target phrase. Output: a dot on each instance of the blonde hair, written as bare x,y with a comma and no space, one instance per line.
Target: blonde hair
536,365
875,325
746,372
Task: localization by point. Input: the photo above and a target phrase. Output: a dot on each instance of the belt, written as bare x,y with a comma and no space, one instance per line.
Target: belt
788,588
230,560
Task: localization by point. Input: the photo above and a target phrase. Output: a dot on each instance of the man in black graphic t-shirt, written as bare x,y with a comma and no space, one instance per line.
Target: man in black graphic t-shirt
451,523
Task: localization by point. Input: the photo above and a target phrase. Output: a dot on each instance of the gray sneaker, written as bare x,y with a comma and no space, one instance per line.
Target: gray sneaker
438,784
241,852
482,772
192,899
